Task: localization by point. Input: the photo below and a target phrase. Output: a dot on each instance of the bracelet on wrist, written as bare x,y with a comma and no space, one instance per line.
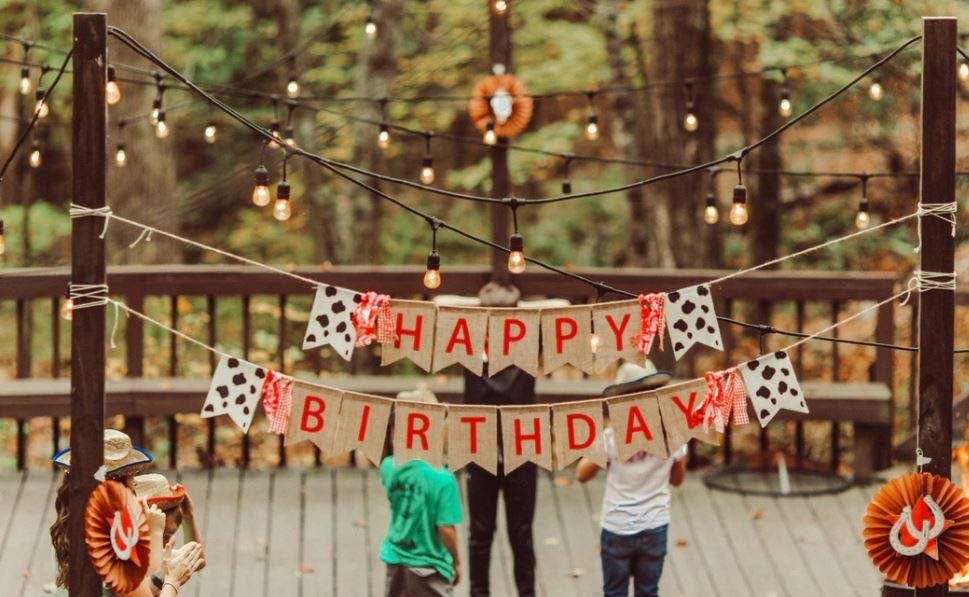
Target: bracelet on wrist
172,584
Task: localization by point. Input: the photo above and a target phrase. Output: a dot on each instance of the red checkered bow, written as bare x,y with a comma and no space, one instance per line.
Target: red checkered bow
652,323
725,393
277,401
373,319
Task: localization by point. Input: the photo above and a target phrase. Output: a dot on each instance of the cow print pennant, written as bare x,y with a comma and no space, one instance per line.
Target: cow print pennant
772,385
331,320
690,319
235,390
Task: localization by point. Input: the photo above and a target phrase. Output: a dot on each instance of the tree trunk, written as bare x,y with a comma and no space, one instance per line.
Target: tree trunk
765,204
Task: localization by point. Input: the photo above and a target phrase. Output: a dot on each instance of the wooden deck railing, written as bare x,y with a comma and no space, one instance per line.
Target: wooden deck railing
136,284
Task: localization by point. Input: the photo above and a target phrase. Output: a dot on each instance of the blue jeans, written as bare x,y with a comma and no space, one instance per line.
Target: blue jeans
639,556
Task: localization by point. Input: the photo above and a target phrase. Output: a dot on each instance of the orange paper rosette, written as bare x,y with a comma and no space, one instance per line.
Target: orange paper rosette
116,533
925,516
501,88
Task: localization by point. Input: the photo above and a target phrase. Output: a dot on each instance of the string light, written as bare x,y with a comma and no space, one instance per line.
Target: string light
156,104
370,27
784,106
711,215
500,6
282,210
427,164
112,91
292,86
863,218
490,137
690,121
516,244
290,136
3,242
383,137
67,307
36,158
120,155
41,108
25,84
875,90
162,130
210,132
963,71
432,275
260,192
592,125
274,131
738,211
566,181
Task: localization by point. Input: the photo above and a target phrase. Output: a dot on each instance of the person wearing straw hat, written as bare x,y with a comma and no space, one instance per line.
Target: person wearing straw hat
636,502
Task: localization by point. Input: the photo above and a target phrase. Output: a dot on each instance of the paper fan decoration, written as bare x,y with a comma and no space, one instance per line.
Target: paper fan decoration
916,530
116,533
502,100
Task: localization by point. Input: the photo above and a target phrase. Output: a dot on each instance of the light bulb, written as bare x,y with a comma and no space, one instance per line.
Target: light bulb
36,159
370,28
738,211
282,209
592,128
3,242
153,117
427,170
711,215
260,193
25,84
875,91
501,6
41,108
120,156
290,138
67,309
383,137
162,129
690,122
516,254
274,131
210,132
784,107
964,71
292,89
432,277
594,342
490,137
566,187
112,92
863,219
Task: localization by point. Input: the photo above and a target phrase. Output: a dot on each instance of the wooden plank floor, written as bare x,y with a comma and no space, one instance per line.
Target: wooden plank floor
318,532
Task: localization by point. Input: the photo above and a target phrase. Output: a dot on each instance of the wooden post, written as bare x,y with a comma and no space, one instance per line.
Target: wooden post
87,267
500,44
936,311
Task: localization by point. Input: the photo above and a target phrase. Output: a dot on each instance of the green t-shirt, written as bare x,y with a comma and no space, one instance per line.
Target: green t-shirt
421,499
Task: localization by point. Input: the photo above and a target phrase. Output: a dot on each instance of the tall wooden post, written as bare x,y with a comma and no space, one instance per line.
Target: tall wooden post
500,44
87,267
936,311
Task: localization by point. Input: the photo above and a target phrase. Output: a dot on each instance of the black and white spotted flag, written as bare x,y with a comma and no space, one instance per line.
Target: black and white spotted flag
235,391
772,385
330,320
690,319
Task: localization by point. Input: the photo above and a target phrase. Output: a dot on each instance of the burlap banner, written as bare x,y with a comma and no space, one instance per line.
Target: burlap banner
526,436
513,339
472,436
415,333
681,419
363,425
637,424
460,338
615,324
566,338
578,432
315,416
419,432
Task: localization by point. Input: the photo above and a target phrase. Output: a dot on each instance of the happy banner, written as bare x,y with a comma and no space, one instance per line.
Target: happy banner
513,339
614,325
566,339
415,334
472,436
460,338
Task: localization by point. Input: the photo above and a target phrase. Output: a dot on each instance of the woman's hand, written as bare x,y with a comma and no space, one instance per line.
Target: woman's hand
156,519
180,564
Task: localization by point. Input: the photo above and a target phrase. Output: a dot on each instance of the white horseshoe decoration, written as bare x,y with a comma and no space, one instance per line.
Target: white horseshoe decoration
896,543
938,520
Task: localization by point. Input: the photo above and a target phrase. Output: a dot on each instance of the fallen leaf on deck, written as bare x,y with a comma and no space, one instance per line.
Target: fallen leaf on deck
757,514
681,543
304,570
360,523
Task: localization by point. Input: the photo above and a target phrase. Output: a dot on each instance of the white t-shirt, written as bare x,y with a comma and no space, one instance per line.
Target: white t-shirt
637,495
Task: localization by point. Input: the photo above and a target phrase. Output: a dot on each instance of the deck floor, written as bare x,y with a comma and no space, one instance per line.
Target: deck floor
318,532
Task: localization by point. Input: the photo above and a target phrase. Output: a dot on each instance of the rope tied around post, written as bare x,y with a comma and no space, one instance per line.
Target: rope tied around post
81,211
943,211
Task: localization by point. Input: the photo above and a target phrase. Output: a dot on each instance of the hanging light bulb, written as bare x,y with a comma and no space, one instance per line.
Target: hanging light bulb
162,130
25,84
711,215
260,192
3,241
490,137
112,91
370,27
738,211
383,137
566,180
155,111
500,6
120,156
41,108
292,88
427,170
210,132
863,218
282,210
432,276
592,127
516,254
963,71
274,131
67,309
35,159
784,107
690,121
290,137
875,90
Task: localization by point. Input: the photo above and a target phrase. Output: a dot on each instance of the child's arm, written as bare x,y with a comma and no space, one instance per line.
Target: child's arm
586,471
449,537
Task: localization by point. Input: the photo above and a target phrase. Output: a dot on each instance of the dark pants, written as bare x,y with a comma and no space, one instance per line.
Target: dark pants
519,492
639,556
404,582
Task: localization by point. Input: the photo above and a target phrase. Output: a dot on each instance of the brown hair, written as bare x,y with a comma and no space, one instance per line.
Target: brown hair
59,532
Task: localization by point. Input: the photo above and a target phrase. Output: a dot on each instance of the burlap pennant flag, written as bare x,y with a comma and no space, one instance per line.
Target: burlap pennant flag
235,391
637,425
614,325
771,385
363,425
566,338
315,416
460,338
690,319
578,432
472,436
330,320
419,432
679,406
513,339
415,333
526,436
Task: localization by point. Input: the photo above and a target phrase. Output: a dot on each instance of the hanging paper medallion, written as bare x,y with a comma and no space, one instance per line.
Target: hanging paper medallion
916,530
503,101
116,533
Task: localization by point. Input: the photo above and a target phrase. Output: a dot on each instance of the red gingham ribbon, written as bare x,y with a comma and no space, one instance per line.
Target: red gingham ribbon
725,394
652,322
373,319
277,401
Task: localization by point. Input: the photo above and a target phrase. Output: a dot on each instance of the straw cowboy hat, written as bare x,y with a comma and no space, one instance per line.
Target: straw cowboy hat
495,294
421,394
631,377
155,489
121,458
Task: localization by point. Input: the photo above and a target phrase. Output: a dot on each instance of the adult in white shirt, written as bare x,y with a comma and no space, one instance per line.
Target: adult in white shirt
636,502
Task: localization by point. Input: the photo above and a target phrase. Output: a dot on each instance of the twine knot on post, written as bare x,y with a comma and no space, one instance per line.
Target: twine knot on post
81,211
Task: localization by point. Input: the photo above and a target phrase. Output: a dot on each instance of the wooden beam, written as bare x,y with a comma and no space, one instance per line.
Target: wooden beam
87,267
937,309
500,53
